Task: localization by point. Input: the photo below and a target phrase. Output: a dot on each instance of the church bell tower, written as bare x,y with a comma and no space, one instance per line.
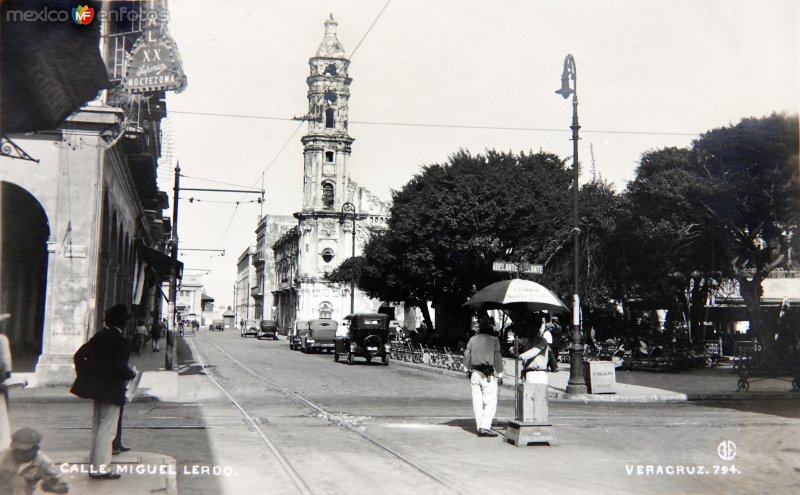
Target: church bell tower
327,143
325,239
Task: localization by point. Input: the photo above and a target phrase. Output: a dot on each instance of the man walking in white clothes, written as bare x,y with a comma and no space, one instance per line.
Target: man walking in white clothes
484,364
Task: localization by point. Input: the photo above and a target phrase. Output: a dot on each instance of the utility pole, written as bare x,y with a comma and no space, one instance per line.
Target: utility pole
169,357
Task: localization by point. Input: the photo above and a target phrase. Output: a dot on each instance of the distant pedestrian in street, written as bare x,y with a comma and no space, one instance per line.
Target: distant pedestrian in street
103,373
23,468
156,332
484,365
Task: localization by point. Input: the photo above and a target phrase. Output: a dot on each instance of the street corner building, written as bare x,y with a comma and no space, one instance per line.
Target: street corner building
333,204
80,210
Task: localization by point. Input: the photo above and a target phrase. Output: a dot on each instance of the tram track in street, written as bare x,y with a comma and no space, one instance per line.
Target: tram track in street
342,421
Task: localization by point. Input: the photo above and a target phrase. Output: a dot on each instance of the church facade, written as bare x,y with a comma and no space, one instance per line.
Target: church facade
324,235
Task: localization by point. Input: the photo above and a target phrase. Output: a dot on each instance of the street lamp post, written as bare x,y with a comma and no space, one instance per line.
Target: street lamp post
351,208
576,384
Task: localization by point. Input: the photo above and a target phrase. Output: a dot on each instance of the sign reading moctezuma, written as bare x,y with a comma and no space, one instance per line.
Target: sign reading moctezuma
154,64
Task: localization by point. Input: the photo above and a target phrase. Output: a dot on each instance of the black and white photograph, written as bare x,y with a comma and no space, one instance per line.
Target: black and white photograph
399,247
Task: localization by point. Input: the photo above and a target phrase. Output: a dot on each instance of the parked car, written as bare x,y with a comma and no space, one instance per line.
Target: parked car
367,336
268,329
298,330
250,327
218,325
320,336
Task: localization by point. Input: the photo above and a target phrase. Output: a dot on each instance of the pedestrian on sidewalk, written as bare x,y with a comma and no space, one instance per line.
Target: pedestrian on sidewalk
156,332
547,334
23,468
484,365
102,371
140,336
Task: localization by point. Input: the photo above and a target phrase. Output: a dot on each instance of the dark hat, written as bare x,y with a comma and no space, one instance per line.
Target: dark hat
118,314
25,438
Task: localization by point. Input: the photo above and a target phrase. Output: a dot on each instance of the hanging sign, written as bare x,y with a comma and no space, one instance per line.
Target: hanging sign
154,64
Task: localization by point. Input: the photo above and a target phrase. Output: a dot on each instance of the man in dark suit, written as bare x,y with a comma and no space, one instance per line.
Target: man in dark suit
102,371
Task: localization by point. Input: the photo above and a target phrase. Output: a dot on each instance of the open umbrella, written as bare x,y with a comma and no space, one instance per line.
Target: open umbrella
517,294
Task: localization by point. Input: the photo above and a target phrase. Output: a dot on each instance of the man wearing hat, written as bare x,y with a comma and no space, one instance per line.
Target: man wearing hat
484,366
102,371
23,467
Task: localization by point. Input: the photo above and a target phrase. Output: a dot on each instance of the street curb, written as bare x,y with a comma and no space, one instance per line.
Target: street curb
561,395
59,395
160,386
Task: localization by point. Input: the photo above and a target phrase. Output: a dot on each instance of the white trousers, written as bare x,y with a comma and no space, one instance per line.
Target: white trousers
104,429
484,399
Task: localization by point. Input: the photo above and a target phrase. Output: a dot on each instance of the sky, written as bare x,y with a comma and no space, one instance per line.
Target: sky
433,77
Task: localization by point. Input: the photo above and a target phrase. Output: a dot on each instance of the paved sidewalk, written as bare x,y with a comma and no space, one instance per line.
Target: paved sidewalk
143,473
718,383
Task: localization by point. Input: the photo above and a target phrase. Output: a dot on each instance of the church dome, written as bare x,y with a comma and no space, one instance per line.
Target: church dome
330,46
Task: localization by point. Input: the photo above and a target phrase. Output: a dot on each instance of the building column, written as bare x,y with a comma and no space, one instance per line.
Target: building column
74,244
71,280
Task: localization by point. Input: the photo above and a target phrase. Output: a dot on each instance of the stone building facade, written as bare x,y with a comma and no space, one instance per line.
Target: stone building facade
83,228
270,229
245,304
323,237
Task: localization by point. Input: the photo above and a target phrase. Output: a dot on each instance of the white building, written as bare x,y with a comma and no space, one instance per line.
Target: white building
244,303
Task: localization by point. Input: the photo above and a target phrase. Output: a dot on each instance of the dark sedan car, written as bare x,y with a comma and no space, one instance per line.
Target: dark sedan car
268,329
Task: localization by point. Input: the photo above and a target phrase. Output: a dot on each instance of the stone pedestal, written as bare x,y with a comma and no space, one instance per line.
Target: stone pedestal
600,377
534,428
523,434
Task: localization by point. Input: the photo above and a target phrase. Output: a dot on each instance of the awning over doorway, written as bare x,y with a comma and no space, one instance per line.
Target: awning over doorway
161,263
49,69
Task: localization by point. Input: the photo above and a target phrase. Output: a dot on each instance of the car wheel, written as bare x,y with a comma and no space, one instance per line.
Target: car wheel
349,358
335,357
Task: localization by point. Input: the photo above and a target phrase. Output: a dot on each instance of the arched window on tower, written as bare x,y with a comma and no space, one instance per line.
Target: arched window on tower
327,196
329,114
330,70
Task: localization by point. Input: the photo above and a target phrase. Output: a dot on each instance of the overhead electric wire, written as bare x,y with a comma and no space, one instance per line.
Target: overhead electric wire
215,181
456,126
222,238
370,28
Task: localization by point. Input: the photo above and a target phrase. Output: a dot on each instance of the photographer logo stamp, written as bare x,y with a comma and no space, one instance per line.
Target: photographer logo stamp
727,450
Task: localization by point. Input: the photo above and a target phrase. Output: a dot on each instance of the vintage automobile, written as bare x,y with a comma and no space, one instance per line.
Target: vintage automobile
268,329
218,325
367,336
250,327
298,330
320,336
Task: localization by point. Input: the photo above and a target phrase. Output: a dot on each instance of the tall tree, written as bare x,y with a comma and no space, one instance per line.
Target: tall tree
750,200
451,221
726,208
